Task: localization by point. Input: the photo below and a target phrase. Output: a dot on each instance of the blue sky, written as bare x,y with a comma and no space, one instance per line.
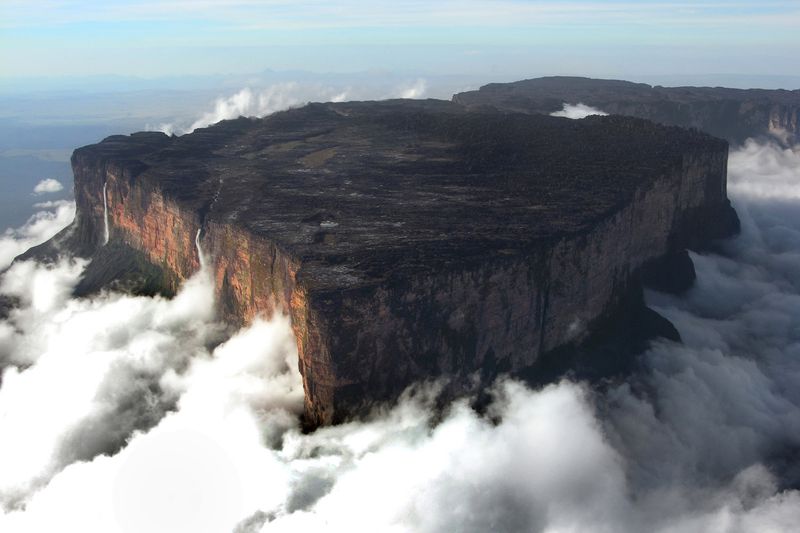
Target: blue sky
150,38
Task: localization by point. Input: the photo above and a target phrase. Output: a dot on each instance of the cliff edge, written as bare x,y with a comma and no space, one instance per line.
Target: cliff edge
407,240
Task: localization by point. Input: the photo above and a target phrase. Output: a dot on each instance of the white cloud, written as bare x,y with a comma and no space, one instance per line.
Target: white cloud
79,365
417,90
577,111
250,102
50,204
39,228
765,170
47,186
85,377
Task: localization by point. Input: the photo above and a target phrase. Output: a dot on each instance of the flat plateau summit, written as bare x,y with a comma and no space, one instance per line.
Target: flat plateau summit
407,240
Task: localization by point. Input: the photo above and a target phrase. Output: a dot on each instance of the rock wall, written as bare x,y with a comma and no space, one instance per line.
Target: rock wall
730,119
366,344
784,121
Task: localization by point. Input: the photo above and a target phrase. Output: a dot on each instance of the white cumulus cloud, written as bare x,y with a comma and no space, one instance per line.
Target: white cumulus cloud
48,185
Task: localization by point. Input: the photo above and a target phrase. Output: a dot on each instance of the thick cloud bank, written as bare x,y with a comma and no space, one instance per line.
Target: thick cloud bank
118,414
577,111
281,96
123,414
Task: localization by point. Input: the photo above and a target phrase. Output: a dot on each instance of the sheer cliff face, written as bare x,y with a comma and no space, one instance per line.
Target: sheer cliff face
408,241
732,114
503,314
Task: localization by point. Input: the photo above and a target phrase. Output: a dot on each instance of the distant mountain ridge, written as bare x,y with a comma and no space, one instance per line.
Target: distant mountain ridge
732,114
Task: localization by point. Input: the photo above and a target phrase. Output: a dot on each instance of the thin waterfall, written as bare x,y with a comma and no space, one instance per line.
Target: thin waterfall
105,214
200,255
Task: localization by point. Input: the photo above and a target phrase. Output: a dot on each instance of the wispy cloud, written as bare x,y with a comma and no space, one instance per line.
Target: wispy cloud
279,14
149,38
53,217
281,96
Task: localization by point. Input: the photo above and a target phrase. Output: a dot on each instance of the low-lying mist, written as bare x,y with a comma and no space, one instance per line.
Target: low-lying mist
134,414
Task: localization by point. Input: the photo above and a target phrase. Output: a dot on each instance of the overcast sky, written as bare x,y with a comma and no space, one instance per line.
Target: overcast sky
151,38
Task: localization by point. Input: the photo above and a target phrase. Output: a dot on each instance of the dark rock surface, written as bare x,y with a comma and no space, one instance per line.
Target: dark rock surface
733,114
407,240
381,188
673,273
